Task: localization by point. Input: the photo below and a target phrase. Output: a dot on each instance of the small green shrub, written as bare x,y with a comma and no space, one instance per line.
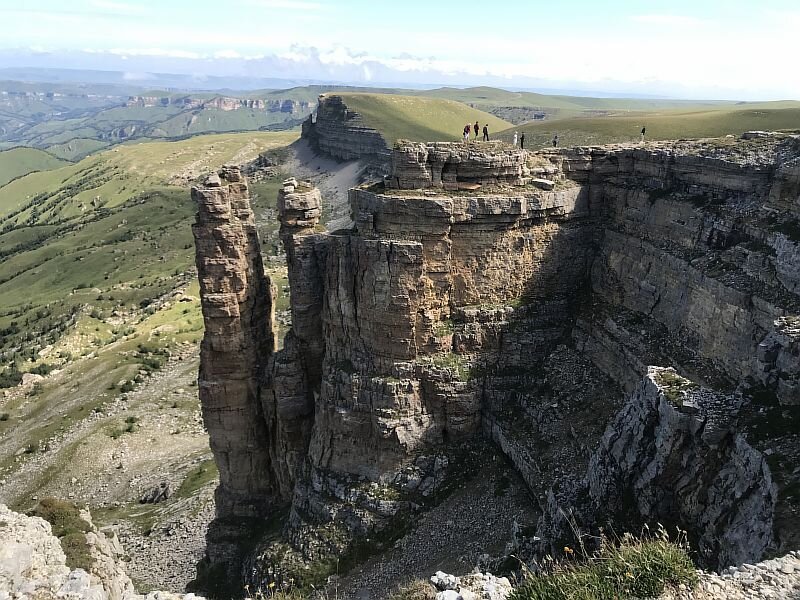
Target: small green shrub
64,517
68,526
77,552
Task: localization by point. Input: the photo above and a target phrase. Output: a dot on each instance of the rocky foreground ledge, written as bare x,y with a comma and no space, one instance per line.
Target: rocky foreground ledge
775,579
33,565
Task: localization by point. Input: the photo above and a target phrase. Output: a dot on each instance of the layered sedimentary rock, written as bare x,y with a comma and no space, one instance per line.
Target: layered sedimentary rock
237,301
445,165
673,455
341,133
486,292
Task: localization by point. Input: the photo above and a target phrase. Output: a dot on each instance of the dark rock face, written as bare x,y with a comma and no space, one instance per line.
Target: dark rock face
341,133
522,313
672,455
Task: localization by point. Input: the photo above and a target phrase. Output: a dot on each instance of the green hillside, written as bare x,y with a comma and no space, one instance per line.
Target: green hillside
416,118
112,231
495,97
17,162
660,126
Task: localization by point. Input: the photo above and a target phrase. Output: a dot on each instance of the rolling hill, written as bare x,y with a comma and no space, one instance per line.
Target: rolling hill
417,118
676,124
17,162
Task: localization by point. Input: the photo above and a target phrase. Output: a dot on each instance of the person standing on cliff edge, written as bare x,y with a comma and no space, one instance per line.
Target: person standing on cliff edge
486,133
467,129
555,141
476,128
515,139
522,141
643,130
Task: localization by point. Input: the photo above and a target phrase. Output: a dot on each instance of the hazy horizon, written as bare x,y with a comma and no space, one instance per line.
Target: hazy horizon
680,49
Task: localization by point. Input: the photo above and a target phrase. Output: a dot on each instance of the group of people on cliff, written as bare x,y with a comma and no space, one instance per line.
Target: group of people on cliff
517,140
476,127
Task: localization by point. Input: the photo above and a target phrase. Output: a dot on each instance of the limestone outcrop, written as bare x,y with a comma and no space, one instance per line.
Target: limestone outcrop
451,166
672,455
471,300
341,133
237,302
33,565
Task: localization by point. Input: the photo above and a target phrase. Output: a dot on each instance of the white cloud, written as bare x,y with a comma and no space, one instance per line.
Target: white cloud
121,8
668,20
232,54
156,52
286,4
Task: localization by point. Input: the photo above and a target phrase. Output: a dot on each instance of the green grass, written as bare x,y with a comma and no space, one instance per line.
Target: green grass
632,569
197,478
68,263
416,118
76,148
17,162
489,96
665,125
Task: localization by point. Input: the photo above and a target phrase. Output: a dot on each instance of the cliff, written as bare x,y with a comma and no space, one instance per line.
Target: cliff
341,133
225,103
489,293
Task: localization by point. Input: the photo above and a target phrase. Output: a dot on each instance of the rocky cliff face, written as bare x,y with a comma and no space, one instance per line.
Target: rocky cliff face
672,455
222,103
341,133
485,292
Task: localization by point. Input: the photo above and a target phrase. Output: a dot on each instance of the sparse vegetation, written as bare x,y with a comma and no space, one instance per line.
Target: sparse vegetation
417,589
631,568
674,386
68,526
200,476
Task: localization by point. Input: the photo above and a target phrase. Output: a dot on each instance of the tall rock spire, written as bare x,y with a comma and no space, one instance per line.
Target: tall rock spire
238,306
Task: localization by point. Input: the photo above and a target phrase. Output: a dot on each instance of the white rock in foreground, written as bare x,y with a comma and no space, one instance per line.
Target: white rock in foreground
33,565
475,586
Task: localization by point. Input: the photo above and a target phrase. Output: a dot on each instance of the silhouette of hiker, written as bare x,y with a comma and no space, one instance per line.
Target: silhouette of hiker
467,129
515,138
476,128
522,141
643,130
555,140
486,133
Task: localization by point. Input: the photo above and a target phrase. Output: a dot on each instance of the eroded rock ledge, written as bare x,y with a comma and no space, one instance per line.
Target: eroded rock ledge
486,293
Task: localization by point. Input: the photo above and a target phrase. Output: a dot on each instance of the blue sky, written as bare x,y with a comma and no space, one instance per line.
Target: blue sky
682,48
